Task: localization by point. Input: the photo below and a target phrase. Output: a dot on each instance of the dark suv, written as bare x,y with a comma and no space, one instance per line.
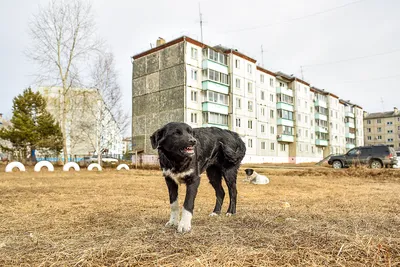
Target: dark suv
374,156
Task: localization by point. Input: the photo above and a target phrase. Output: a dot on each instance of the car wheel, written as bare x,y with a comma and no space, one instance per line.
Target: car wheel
337,164
375,164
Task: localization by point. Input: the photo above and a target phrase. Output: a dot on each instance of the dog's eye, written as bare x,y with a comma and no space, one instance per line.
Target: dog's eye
189,130
178,132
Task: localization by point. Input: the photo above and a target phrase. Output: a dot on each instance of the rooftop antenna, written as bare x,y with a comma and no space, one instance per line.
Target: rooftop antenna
262,56
201,23
301,71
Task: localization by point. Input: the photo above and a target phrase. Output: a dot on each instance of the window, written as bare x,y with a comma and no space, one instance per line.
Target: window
312,136
369,137
299,117
237,83
193,96
272,146
194,53
238,103
272,130
193,117
262,78
389,123
238,122
237,63
250,106
215,118
194,74
217,98
249,68
262,145
250,124
271,114
271,97
299,132
283,147
379,137
305,119
390,131
378,121
250,87
262,95
284,114
369,130
307,133
305,104
284,98
271,82
390,139
216,76
379,129
368,121
263,111
262,128
250,143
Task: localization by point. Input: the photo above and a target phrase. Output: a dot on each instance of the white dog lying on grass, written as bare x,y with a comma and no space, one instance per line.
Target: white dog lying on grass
255,178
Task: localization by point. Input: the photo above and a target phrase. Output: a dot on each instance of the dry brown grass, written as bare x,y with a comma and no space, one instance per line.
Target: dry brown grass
336,218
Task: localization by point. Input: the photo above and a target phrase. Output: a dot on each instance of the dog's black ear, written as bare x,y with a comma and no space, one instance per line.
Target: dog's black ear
157,138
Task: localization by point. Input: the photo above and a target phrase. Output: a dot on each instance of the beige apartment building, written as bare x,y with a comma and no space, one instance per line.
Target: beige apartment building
382,128
280,117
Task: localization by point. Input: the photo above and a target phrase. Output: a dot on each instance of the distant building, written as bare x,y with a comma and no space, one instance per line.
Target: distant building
280,117
4,143
382,128
90,125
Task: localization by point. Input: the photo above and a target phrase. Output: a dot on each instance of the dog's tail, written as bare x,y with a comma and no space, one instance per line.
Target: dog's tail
233,156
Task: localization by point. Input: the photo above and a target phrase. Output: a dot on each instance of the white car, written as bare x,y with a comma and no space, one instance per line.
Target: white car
105,159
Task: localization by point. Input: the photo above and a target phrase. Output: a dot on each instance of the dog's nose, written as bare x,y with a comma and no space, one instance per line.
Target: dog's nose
192,141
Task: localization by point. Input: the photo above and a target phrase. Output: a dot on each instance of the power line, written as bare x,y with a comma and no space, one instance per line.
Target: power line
294,19
373,79
350,59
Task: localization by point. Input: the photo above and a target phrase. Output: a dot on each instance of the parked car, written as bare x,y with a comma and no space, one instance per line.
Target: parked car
105,159
378,156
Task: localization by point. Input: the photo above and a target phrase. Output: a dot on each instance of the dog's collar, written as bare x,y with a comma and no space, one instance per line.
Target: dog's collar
254,175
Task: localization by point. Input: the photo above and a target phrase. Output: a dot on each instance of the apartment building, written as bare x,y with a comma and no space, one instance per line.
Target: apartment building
90,125
382,128
280,117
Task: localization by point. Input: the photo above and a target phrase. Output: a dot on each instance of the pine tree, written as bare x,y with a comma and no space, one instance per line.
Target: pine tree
33,127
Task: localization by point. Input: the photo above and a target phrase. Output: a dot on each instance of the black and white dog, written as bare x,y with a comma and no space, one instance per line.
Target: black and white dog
185,153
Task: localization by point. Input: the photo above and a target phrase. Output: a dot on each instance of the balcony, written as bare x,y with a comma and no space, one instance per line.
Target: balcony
349,114
214,86
320,116
349,125
284,90
350,146
208,64
350,135
285,138
321,142
214,107
285,122
225,127
321,129
320,103
285,106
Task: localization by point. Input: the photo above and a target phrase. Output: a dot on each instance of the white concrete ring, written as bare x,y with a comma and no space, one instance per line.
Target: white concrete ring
69,165
10,166
94,165
42,164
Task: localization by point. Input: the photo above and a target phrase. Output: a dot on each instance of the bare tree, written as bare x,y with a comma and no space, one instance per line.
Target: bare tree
111,120
63,44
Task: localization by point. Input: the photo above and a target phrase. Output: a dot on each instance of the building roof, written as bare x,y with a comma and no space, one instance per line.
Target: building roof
386,114
348,103
291,78
266,71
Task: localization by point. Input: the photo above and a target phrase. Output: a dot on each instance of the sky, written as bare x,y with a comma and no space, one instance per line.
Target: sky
348,47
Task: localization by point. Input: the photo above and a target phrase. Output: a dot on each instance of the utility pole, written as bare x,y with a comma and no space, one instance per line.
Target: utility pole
201,24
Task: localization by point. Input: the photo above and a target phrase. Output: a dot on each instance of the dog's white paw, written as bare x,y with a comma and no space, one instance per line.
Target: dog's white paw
228,214
172,223
185,225
212,214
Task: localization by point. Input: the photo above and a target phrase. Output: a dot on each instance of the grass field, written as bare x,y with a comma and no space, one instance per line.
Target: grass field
336,218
